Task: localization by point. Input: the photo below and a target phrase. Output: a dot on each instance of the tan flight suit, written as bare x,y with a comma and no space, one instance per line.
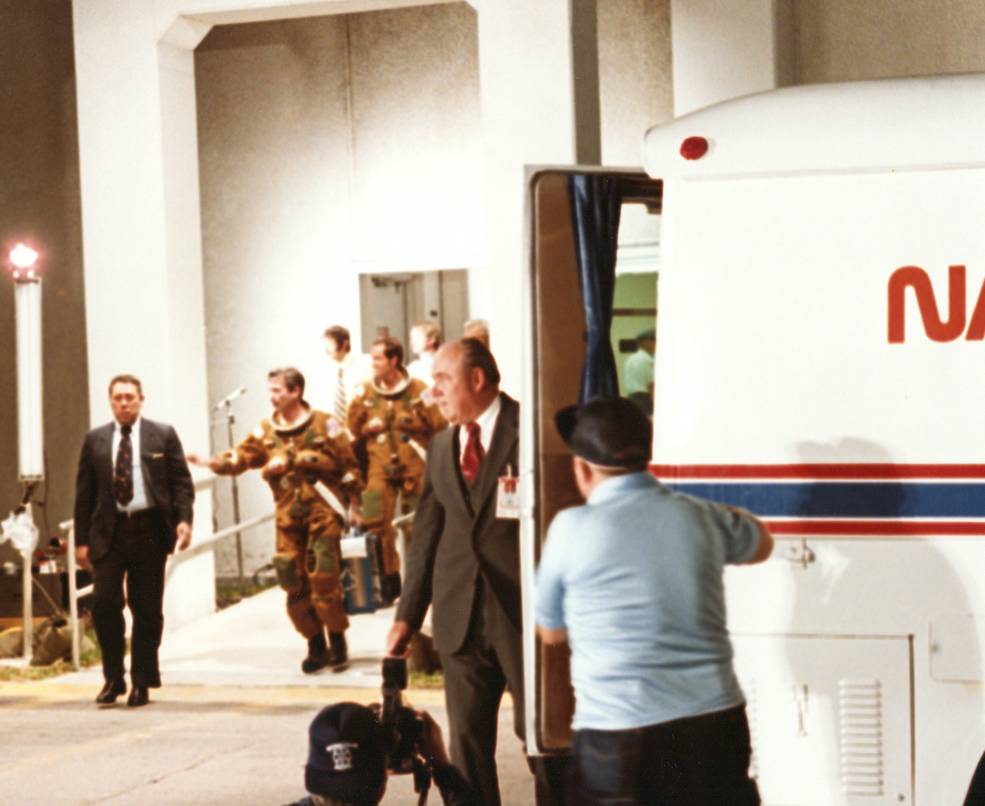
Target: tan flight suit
308,557
396,454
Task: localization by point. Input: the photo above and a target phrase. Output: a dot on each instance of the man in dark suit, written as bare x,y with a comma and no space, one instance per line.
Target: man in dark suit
466,562
133,504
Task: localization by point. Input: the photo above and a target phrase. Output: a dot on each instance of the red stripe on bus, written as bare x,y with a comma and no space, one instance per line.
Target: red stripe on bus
820,471
876,528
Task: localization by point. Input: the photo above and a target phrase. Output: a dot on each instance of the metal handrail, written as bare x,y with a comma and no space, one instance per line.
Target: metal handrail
75,593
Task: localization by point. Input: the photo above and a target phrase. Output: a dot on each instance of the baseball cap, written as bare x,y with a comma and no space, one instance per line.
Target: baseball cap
612,432
346,759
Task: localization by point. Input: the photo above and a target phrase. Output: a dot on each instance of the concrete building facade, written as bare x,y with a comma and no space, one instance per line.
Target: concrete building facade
208,178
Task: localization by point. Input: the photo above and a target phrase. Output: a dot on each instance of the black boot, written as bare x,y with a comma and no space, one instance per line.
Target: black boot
390,588
318,655
338,653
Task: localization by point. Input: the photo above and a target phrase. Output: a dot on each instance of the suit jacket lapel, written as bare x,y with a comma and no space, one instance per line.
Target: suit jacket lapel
455,471
148,445
148,439
503,440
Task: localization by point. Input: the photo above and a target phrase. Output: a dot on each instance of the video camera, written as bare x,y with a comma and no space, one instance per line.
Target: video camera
403,727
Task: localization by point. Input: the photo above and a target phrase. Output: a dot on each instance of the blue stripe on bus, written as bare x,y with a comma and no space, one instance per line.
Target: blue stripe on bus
847,500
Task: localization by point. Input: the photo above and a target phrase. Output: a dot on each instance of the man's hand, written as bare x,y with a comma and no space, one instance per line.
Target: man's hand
184,532
552,637
212,464
82,558
398,640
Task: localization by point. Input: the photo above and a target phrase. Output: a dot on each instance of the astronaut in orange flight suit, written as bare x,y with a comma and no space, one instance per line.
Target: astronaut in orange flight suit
394,416
306,458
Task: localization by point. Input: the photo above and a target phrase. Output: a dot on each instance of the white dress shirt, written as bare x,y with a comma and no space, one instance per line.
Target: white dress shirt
420,368
320,391
140,499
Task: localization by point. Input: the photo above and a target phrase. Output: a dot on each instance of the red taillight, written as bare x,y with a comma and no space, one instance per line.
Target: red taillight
694,148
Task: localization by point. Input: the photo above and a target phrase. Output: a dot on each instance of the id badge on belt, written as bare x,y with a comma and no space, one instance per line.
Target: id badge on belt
508,496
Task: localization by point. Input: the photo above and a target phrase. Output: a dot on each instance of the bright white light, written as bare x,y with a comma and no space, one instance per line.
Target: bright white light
23,257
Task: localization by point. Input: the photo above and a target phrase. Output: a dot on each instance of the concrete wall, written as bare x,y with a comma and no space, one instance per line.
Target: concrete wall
39,202
844,40
635,81
338,145
335,145
415,138
329,146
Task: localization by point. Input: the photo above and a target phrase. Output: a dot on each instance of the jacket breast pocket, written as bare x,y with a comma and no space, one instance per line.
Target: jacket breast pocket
155,465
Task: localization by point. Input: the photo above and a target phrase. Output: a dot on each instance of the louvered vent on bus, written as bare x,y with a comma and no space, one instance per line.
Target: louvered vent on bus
861,736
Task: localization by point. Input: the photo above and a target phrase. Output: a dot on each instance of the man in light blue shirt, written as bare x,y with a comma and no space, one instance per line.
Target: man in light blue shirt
639,370
633,581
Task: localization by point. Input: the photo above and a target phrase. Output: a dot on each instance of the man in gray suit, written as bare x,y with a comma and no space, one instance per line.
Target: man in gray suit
133,504
466,562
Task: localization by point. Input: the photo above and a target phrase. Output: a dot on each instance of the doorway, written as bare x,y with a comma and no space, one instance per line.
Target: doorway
392,303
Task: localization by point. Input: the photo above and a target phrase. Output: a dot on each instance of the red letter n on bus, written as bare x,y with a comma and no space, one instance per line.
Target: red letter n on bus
916,278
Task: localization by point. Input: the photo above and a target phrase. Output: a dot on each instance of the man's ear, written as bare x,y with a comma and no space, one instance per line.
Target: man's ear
477,379
582,471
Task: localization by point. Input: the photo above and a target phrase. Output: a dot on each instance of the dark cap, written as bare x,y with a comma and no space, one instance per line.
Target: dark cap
346,760
612,432
650,334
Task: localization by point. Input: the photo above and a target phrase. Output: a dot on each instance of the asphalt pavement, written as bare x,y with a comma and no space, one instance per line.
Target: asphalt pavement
229,725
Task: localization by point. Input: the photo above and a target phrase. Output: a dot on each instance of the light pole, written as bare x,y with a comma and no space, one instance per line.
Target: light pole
23,266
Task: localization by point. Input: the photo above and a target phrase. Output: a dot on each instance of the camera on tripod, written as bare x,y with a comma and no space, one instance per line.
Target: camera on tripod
403,727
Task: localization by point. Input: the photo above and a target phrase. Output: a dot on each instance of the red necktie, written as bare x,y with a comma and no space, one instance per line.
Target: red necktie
472,457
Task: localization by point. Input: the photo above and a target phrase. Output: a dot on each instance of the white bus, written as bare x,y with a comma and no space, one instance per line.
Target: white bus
820,361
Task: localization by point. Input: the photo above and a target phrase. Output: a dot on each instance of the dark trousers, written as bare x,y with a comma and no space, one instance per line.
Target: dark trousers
698,761
137,555
475,678
976,790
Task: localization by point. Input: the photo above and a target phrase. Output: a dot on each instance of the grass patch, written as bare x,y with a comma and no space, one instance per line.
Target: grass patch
9,674
14,674
228,593
425,680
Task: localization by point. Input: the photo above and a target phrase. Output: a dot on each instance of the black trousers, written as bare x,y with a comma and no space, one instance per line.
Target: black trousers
475,678
137,555
698,761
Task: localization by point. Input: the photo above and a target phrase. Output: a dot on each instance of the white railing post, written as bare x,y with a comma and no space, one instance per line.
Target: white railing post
28,594
73,598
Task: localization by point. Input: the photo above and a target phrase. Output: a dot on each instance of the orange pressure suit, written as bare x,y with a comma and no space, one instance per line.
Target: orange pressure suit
406,419
308,558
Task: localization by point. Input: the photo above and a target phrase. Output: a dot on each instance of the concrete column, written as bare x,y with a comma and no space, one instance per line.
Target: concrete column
723,49
140,218
538,77
138,160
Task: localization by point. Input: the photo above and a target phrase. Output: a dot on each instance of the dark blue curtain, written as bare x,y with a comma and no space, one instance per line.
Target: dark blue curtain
596,202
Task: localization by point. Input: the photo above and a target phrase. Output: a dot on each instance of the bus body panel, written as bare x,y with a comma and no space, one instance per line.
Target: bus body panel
820,357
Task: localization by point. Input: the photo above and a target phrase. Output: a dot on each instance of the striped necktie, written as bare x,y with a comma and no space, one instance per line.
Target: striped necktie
123,471
340,401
